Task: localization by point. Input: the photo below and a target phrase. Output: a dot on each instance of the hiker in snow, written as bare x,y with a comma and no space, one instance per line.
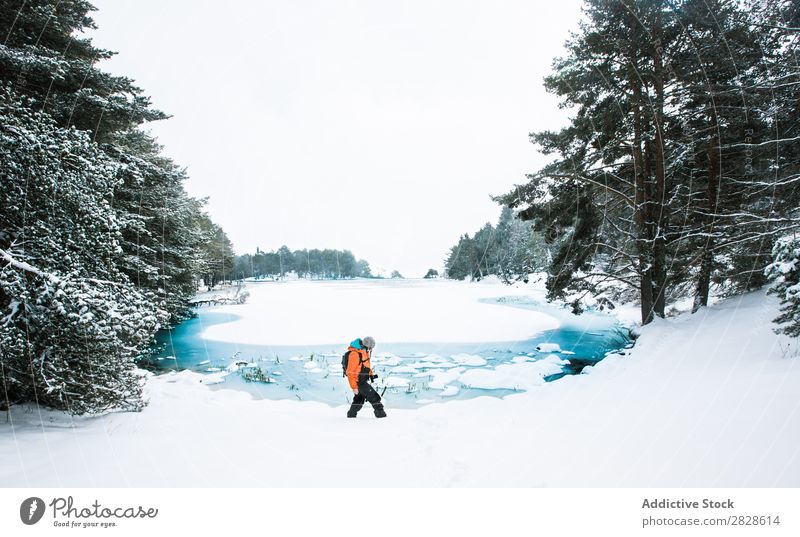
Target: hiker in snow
359,374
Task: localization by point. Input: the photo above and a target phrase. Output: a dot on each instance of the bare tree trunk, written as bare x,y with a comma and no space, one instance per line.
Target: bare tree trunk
703,282
712,191
640,212
658,204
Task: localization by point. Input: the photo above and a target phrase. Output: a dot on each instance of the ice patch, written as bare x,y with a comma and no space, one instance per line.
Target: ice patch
432,365
450,391
404,369
548,347
525,358
435,358
395,382
441,379
468,359
519,376
393,360
215,378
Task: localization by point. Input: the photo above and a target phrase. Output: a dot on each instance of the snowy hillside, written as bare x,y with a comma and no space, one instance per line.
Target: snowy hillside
703,400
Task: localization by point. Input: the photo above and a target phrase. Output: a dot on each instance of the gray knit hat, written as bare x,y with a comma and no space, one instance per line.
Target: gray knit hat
368,342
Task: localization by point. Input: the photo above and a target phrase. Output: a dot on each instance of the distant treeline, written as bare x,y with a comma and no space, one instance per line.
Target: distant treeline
511,250
320,264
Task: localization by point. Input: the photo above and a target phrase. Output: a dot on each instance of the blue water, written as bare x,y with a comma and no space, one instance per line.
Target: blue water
587,339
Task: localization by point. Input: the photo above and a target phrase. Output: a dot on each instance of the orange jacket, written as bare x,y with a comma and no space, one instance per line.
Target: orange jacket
357,364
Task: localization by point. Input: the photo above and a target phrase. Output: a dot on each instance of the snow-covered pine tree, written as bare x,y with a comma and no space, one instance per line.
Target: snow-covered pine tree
784,272
512,250
156,236
485,243
286,260
72,323
779,24
165,235
462,260
46,57
663,177
520,250
735,202
607,195
218,254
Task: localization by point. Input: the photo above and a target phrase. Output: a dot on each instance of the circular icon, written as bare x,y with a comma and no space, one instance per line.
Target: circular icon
31,510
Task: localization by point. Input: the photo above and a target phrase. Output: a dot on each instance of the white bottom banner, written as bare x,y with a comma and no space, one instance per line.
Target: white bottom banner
400,512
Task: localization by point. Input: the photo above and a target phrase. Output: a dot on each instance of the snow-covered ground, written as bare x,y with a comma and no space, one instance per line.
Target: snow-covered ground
709,399
317,312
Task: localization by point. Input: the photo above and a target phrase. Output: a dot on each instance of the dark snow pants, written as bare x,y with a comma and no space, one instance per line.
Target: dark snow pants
366,393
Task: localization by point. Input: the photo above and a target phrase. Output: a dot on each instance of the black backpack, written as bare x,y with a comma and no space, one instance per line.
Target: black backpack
345,360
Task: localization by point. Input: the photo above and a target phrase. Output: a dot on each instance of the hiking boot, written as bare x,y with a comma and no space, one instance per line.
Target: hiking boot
380,413
353,410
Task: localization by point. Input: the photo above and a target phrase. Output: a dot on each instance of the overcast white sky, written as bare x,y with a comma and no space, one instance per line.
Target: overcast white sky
377,126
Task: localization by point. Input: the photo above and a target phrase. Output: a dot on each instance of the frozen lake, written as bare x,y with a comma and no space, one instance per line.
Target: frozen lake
438,340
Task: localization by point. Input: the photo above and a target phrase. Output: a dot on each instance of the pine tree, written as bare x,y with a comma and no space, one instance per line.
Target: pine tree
165,243
663,183
605,196
101,245
720,160
362,269
45,57
217,254
73,323
285,260
462,260
778,22
243,267
785,274
485,244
